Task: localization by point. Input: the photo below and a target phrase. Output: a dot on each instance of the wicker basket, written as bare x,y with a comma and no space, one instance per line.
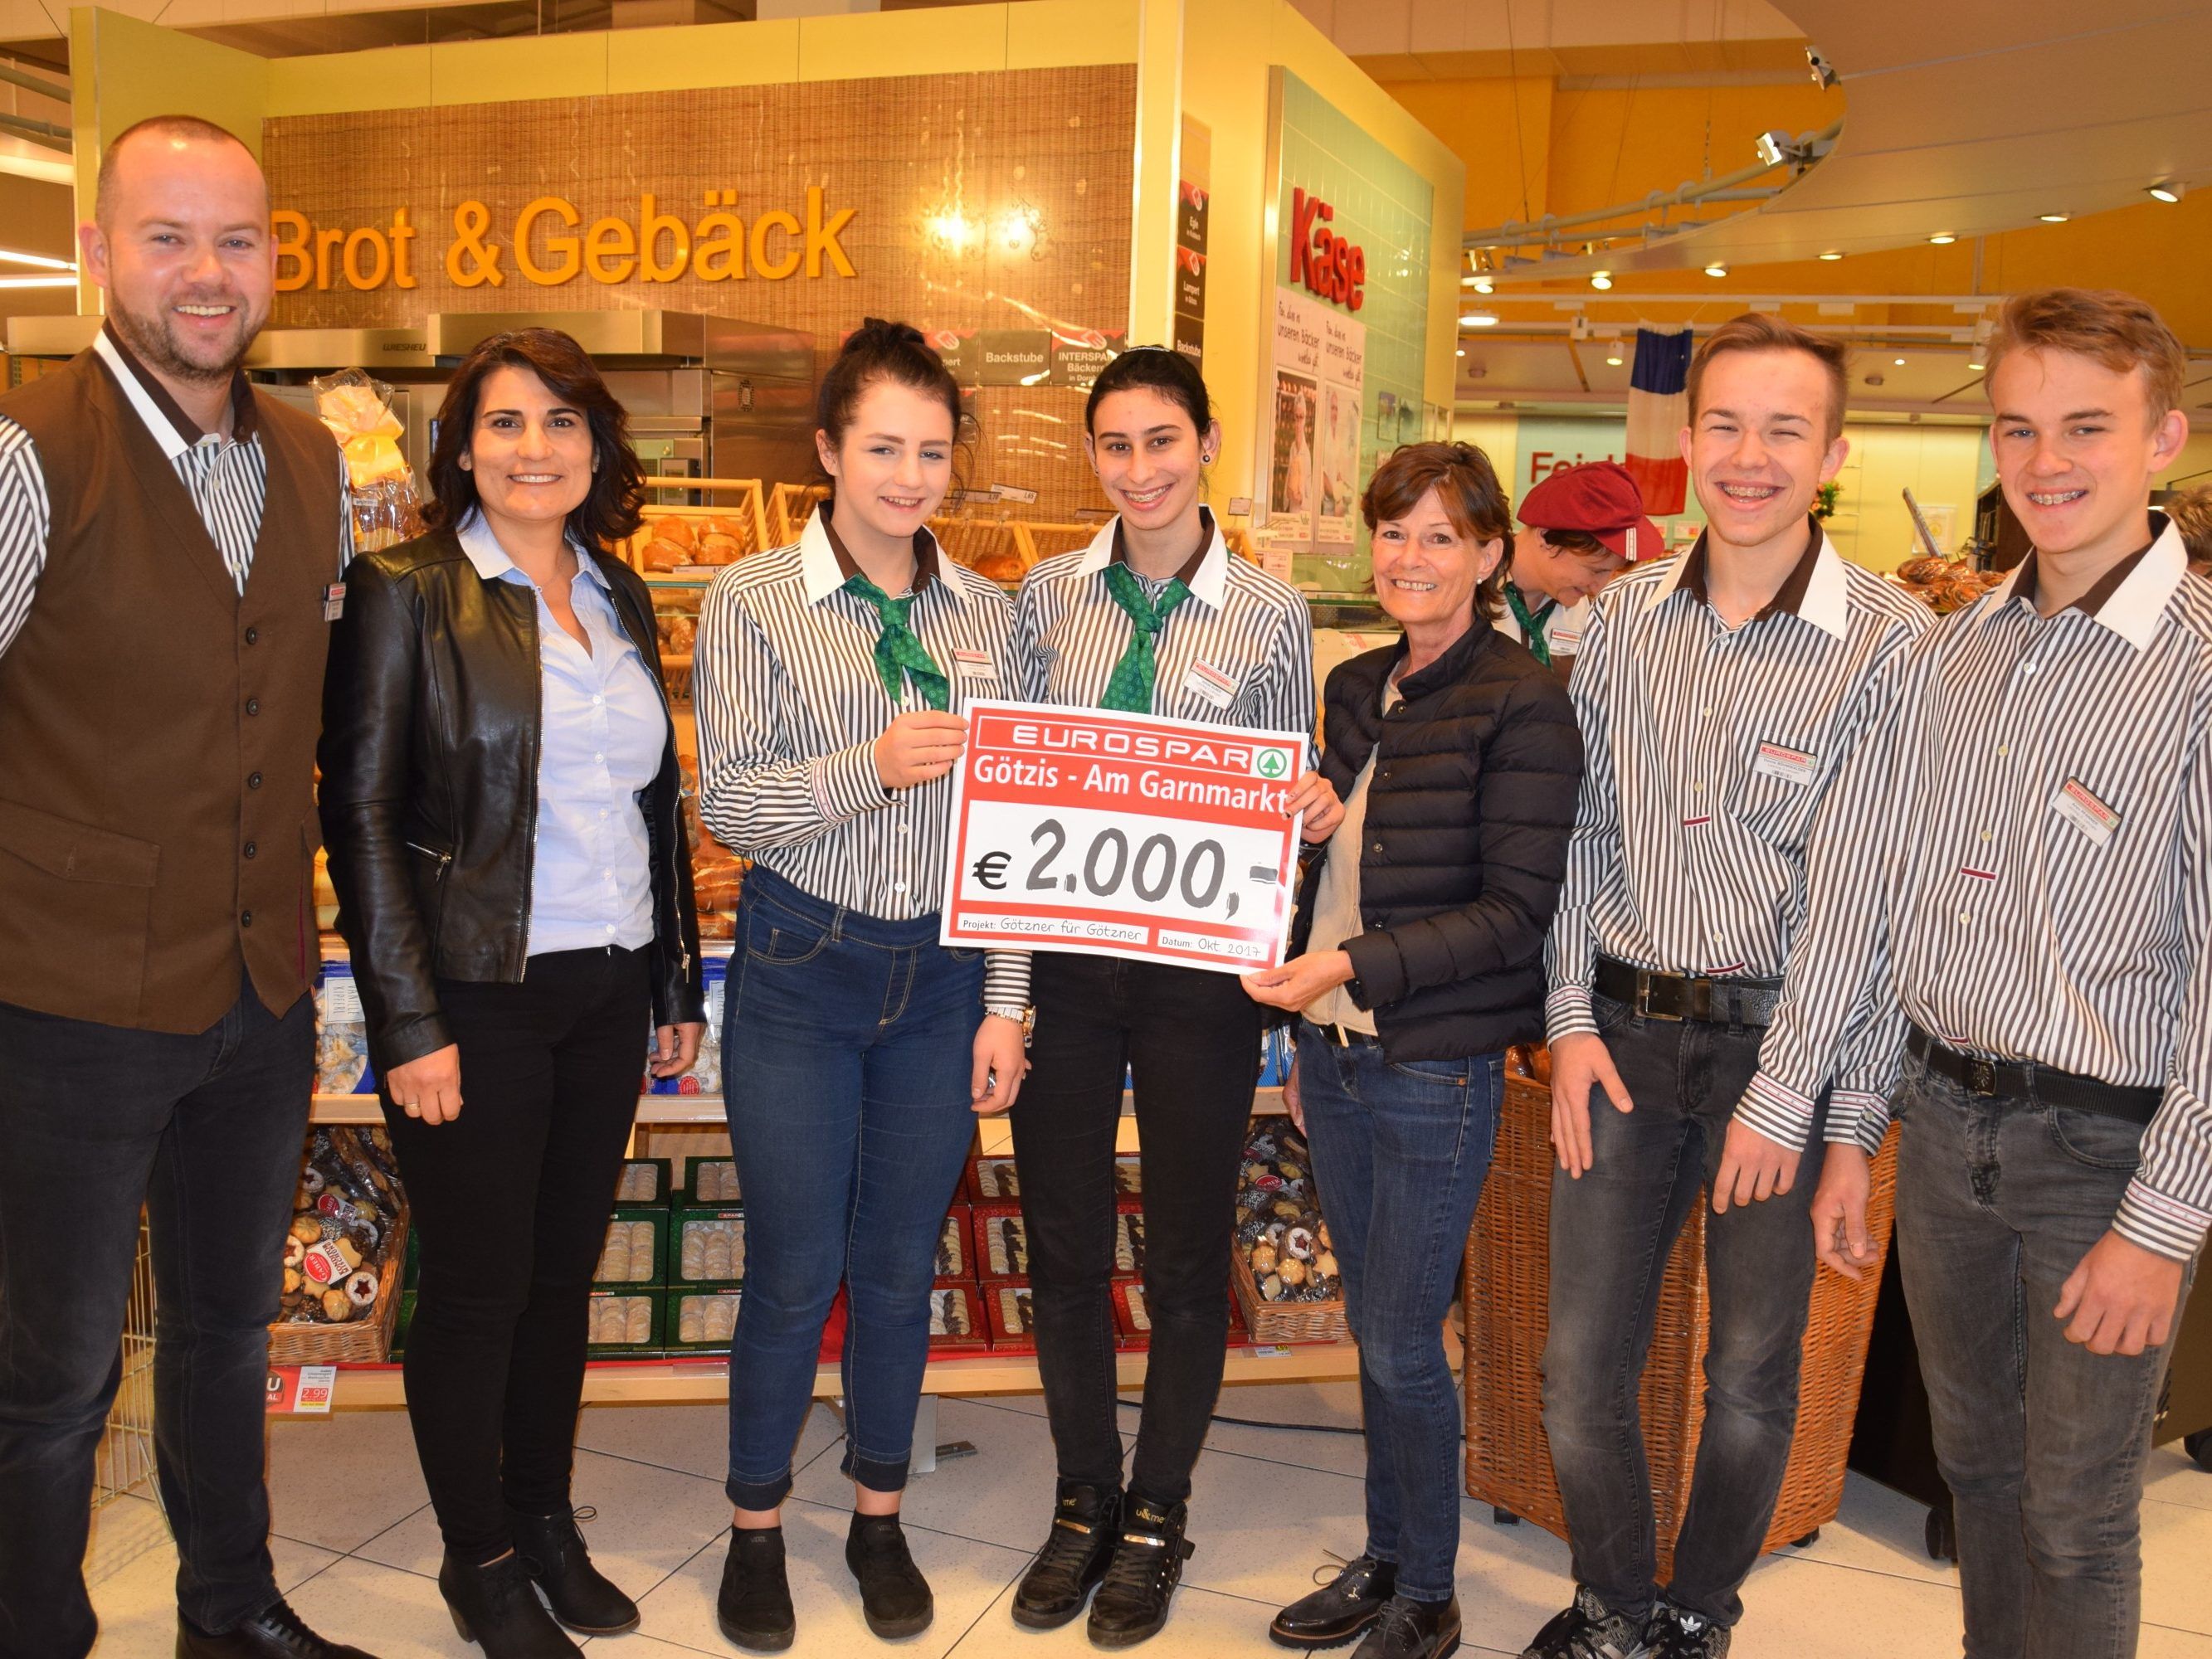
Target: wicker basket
1272,1322
1506,1292
358,1342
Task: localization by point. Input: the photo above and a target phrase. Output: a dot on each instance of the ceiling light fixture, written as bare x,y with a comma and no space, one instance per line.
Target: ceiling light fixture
1716,269
2166,190
1942,239
16,258
1899,361
2054,218
38,282
1482,285
1600,279
1613,362
1461,352
1833,253
1977,368
1478,320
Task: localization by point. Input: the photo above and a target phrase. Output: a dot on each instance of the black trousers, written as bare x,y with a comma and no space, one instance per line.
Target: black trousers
511,1201
1190,1040
206,1132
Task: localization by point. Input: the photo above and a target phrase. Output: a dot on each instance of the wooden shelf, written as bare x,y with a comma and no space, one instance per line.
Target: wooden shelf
695,1379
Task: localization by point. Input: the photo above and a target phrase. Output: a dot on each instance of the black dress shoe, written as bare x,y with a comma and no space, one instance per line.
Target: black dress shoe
1339,1609
274,1632
1132,1603
1073,1558
893,1596
1407,1629
754,1607
495,1607
553,1553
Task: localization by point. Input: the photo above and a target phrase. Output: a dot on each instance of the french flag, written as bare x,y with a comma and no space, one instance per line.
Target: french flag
1658,407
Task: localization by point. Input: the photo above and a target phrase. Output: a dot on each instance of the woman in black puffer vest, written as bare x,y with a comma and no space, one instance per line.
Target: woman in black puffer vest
1420,931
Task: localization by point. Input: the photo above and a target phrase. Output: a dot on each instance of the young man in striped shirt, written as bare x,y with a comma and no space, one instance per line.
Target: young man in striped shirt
1718,693
2018,906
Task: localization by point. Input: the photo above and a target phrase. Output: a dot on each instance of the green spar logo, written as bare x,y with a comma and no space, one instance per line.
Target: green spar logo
1271,763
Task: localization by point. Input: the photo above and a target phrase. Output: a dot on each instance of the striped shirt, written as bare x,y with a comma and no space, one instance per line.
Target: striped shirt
790,705
226,478
1712,749
1237,652
2025,872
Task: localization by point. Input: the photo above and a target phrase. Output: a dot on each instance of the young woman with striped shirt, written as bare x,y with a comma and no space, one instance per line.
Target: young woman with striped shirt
1153,617
831,678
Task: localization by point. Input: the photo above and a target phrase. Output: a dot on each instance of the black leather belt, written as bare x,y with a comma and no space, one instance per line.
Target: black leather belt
2025,1080
1342,1036
1678,996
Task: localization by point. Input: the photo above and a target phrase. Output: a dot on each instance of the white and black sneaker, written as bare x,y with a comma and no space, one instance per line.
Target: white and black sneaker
1676,1633
1589,1630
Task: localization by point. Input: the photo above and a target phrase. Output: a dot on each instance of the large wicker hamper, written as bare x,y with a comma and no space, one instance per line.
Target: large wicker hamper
1509,1460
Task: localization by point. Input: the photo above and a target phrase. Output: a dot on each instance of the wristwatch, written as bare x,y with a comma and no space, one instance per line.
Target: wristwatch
1025,1017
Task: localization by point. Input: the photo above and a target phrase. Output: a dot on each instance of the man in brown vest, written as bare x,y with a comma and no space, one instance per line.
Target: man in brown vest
171,550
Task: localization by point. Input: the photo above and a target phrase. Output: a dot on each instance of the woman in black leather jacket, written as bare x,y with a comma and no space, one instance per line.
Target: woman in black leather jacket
499,797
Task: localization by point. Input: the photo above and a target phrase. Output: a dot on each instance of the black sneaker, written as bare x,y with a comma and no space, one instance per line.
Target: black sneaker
893,1596
753,1606
1132,1603
1073,1558
1406,1629
1676,1633
1587,1630
1339,1609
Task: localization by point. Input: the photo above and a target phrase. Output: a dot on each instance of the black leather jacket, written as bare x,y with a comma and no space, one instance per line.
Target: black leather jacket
429,790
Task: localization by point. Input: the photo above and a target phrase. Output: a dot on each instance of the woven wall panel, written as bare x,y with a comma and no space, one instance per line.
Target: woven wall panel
1054,148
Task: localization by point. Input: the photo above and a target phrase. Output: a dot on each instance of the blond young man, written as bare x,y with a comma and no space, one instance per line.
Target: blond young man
2021,867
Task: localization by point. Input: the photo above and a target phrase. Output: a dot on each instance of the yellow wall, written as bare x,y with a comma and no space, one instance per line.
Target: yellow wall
1228,45
1938,464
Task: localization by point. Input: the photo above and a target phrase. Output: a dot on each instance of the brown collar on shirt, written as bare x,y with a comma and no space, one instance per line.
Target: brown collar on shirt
1189,574
1787,597
2105,586
925,553
241,396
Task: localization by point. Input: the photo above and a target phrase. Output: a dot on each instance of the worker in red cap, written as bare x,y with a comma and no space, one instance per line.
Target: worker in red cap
1585,524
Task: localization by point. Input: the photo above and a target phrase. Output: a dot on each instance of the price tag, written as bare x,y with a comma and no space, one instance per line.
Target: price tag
1122,835
301,1390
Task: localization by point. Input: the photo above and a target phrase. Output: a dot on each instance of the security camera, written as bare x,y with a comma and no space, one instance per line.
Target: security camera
1823,72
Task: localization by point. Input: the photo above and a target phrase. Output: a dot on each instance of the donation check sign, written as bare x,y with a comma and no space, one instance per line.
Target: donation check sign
1123,836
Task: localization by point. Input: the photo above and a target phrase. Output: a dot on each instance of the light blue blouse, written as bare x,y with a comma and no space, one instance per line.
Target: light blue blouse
602,731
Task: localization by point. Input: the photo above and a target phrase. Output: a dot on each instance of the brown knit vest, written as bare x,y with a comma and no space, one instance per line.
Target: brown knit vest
157,730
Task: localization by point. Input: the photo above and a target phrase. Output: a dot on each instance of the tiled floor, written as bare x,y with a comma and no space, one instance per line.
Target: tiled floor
357,1544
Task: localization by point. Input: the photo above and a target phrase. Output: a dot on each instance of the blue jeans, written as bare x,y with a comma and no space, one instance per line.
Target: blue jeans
2041,1441
846,1050
1400,1151
1612,1232
206,1132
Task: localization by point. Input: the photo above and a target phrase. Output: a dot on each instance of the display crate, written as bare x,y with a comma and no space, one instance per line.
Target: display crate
634,1251
707,1247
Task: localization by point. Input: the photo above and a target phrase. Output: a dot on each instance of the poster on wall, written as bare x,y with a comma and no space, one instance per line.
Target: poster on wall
1193,208
1313,473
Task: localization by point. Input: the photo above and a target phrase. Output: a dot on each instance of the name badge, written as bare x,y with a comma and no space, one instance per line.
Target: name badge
1209,684
975,664
334,602
2081,809
1785,765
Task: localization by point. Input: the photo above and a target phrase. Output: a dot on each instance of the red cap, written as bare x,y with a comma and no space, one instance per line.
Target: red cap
1599,499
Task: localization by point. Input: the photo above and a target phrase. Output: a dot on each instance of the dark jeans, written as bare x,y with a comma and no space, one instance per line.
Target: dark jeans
846,1057
1189,1038
2041,1441
206,1133
1400,1150
1610,1234
511,1201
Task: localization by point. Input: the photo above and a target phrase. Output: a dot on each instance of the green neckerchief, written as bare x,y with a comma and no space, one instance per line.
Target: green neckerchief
1129,688
899,655
1532,624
